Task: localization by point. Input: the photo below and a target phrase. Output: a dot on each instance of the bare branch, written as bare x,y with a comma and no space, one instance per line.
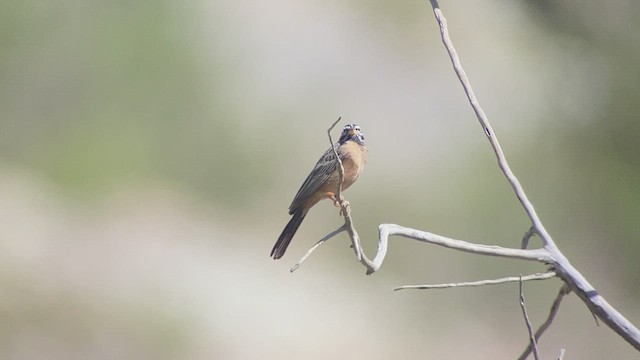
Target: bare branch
540,255
572,277
561,356
504,280
355,239
532,339
564,290
386,230
316,245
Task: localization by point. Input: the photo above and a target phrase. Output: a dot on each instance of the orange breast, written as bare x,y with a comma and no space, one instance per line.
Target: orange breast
354,158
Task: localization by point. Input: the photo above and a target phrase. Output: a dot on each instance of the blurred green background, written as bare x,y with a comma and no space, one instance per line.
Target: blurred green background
149,152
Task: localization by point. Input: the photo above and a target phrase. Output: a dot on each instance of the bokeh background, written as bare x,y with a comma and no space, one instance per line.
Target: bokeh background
149,152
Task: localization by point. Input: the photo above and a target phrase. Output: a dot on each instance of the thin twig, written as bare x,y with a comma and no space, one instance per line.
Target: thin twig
527,236
504,280
564,290
338,160
532,339
316,245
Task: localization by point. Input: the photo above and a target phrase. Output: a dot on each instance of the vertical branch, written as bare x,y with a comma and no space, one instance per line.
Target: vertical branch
564,290
527,236
338,160
532,339
345,210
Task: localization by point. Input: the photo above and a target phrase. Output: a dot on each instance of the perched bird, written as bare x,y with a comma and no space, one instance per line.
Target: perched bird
322,182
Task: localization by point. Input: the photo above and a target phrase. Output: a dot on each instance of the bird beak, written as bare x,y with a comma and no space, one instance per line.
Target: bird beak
352,132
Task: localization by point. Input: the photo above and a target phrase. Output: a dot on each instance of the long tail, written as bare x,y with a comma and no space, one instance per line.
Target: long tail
287,234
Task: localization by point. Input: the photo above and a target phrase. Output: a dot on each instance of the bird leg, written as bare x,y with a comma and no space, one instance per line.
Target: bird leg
339,203
336,202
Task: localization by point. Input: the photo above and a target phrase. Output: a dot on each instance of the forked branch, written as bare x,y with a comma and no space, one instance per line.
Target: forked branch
572,278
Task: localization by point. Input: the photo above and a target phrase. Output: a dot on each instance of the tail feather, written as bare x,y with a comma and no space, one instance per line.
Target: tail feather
287,234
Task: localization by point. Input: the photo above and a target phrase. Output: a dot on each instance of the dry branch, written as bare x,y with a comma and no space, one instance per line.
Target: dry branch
564,290
532,338
536,276
574,279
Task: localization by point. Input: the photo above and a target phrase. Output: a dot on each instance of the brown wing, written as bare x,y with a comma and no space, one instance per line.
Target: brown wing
325,166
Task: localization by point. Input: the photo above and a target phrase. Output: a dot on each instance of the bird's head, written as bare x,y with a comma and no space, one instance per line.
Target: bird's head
351,132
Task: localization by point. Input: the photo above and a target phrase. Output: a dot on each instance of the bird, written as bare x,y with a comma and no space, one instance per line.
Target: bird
322,181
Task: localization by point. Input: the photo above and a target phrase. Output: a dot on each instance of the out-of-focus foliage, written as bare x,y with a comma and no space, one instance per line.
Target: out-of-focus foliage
96,94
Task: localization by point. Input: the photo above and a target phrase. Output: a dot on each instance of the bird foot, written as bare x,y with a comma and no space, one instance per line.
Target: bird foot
340,203
336,202
344,208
